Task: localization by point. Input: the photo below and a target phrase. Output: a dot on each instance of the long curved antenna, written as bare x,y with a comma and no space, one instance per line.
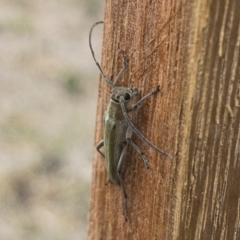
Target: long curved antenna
121,101
108,81
123,69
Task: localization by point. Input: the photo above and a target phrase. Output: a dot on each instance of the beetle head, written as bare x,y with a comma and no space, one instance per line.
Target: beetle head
127,93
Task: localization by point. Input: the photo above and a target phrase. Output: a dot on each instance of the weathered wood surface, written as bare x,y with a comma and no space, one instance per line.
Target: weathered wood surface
190,49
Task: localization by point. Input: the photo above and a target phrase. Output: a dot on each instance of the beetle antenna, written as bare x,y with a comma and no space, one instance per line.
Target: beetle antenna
107,80
137,131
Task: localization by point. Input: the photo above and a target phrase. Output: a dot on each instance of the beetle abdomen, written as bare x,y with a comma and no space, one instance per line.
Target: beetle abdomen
114,141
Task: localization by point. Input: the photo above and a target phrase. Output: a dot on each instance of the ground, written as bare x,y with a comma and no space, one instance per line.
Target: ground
48,94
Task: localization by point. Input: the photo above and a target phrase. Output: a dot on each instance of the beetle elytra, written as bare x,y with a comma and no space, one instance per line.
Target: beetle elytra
118,127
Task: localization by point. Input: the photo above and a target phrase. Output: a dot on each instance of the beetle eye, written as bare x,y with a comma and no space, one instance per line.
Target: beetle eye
126,96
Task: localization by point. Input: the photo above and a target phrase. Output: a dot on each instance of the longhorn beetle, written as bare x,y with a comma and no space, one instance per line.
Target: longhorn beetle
118,127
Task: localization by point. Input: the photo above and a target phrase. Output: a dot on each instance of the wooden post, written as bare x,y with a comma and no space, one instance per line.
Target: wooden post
191,49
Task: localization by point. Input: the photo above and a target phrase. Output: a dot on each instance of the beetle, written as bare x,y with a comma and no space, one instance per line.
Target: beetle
118,127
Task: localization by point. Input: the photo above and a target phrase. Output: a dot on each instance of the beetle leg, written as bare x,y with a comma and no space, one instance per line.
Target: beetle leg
129,140
123,69
130,123
144,158
100,145
107,181
134,107
119,167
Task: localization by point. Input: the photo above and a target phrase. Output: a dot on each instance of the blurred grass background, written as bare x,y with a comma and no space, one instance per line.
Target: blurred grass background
48,94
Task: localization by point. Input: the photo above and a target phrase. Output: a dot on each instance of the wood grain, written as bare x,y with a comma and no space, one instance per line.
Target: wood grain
190,49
